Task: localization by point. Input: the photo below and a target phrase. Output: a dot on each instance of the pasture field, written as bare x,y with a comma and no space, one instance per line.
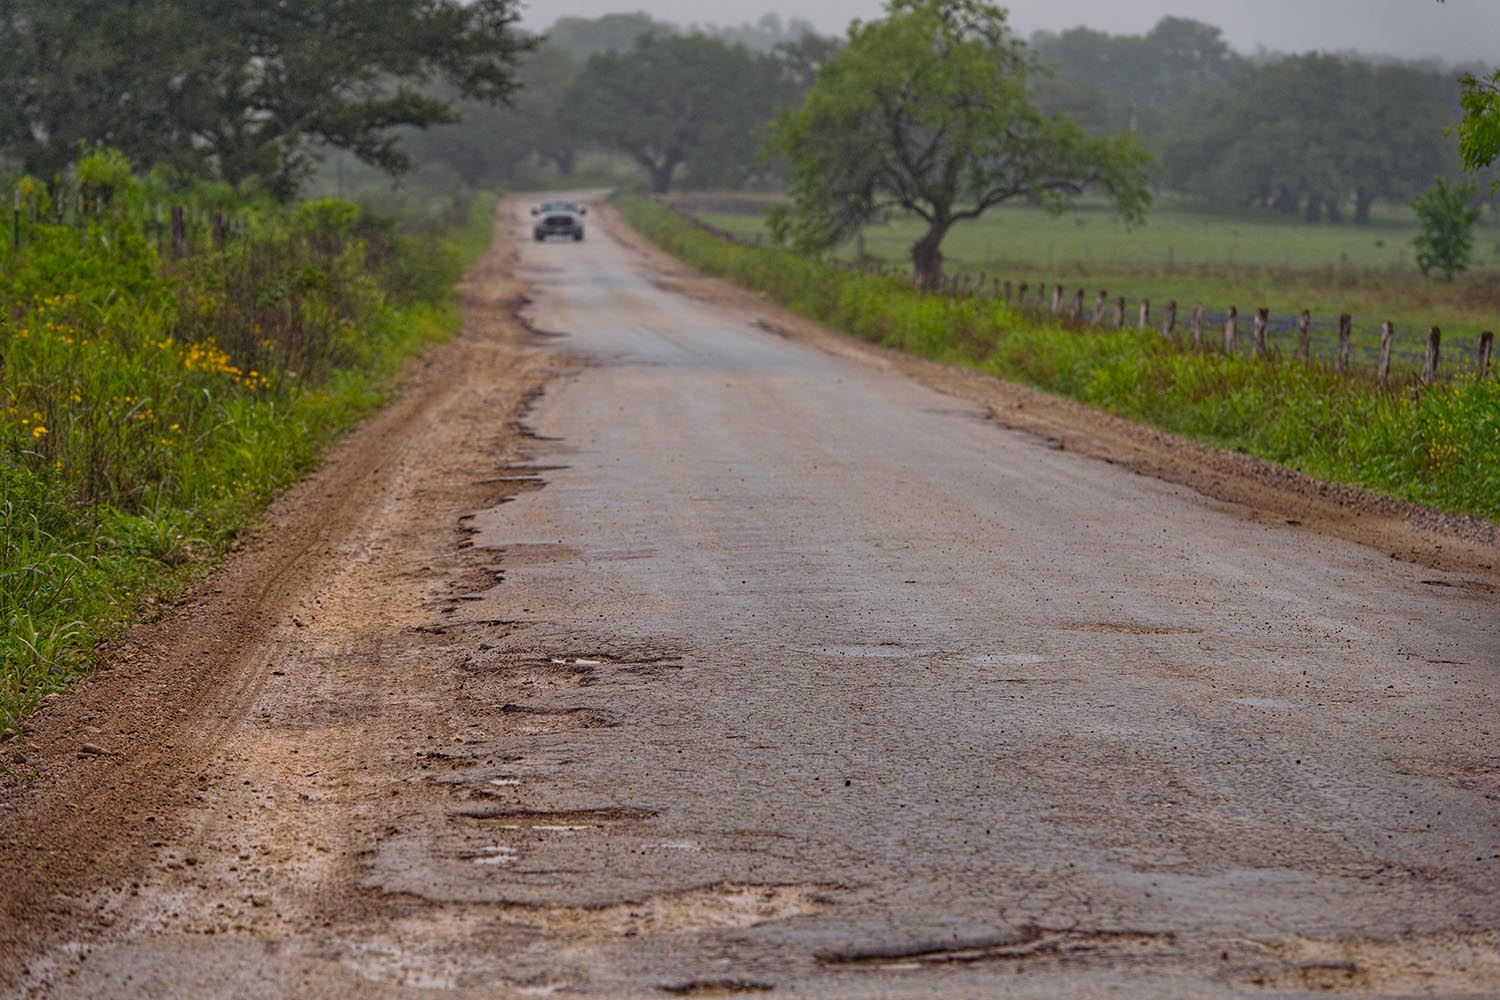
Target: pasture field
1216,259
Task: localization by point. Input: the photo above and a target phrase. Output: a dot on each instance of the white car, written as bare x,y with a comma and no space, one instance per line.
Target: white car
559,218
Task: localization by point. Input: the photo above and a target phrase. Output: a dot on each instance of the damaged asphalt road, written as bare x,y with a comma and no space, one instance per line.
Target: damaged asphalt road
660,655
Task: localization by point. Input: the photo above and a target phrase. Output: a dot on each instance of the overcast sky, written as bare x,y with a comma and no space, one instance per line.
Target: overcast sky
1459,30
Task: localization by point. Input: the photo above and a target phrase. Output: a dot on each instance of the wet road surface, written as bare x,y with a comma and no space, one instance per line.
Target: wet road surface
798,678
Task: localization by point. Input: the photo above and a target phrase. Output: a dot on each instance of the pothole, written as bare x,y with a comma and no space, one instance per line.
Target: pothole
1432,964
1032,944
569,820
722,906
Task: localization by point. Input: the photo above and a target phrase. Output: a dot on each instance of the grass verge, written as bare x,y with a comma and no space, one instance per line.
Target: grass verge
1439,447
150,408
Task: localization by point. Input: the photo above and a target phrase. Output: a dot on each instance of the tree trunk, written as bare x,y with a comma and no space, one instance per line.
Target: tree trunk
1335,211
1286,201
927,256
1314,211
1363,202
661,172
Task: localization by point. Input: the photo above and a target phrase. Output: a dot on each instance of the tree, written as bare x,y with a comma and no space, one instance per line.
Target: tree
1479,133
927,110
241,90
492,142
1314,133
584,37
1447,214
675,101
1128,81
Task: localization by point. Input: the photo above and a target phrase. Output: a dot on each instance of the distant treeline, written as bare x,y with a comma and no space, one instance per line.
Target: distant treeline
1324,135
259,95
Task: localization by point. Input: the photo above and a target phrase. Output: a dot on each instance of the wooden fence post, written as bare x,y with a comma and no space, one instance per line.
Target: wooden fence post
15,221
1021,302
1486,346
963,290
1346,327
219,235
1009,291
1057,296
179,233
1120,313
1078,307
1099,303
1387,336
1262,321
1169,323
1231,330
1145,319
1304,335
1430,363
1196,330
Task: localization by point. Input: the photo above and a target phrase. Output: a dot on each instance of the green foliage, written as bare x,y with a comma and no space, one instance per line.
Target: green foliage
676,100
1312,133
1112,82
1479,133
148,409
928,110
242,91
1440,447
1447,214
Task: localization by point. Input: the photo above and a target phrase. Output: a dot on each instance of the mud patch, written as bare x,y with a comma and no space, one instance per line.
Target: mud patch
1031,945
1473,774
1456,964
1130,628
533,721
717,988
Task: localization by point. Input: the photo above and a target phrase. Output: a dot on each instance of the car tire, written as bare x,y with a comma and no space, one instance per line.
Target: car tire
578,236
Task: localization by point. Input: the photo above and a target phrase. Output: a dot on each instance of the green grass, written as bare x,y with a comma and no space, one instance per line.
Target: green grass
149,409
1193,256
1438,446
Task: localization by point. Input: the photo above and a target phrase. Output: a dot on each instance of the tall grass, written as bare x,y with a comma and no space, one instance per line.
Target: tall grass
150,408
1439,447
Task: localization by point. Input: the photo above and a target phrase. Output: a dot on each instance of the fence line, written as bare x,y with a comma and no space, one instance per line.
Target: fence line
1331,343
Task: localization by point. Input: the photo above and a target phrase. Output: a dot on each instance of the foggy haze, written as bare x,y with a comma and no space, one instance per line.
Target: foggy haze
1460,30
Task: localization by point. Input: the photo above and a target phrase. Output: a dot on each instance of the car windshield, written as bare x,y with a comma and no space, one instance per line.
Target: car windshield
559,206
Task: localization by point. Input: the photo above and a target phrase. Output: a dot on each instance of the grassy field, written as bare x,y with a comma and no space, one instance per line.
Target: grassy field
1437,446
150,406
1217,260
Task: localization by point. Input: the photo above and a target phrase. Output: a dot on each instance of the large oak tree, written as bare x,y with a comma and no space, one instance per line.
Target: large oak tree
928,110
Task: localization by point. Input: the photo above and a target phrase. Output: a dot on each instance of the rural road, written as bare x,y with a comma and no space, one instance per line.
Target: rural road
657,650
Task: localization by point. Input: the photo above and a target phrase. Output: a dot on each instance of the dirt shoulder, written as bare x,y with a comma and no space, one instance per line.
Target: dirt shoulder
1258,490
103,778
